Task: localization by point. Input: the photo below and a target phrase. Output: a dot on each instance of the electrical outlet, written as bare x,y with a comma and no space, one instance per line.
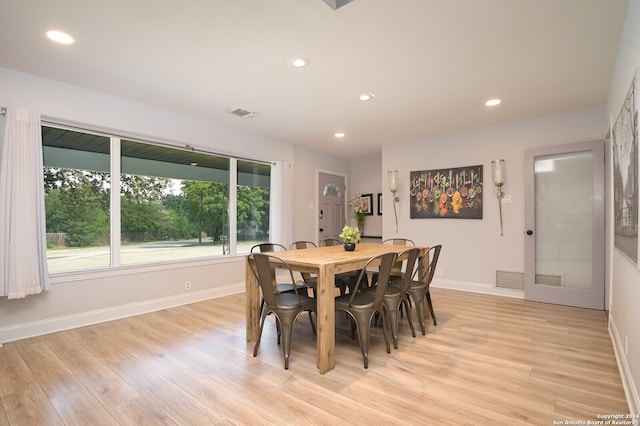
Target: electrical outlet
506,199
440,273
187,285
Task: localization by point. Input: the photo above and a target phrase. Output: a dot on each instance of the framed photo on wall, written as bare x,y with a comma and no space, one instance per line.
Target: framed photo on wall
446,193
368,203
379,204
624,137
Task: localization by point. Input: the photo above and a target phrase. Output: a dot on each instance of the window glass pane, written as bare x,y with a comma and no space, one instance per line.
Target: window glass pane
253,204
331,190
174,204
77,183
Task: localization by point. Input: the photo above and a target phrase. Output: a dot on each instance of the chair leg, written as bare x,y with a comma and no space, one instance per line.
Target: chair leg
313,325
419,301
433,315
263,317
406,308
384,328
363,329
287,332
393,321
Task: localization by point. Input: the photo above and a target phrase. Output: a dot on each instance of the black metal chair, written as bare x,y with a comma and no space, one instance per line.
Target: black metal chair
396,271
286,307
419,288
362,305
267,248
345,280
310,280
396,293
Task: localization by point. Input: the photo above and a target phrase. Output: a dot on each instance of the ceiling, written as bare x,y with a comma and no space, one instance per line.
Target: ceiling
431,64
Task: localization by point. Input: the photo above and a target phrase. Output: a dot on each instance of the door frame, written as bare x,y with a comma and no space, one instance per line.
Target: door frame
564,295
316,220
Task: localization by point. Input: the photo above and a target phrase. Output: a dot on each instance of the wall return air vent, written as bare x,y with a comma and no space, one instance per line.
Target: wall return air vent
515,280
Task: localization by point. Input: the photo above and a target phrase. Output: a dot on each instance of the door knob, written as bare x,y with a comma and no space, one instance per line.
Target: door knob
529,232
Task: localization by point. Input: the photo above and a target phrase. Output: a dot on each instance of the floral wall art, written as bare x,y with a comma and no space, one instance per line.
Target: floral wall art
446,193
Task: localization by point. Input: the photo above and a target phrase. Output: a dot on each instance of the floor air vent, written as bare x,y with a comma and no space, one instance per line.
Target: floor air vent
550,279
507,279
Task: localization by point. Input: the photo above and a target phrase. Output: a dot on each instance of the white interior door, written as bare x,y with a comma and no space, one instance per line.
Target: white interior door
564,219
331,204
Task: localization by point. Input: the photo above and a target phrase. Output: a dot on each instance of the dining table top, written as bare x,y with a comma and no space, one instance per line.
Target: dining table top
339,257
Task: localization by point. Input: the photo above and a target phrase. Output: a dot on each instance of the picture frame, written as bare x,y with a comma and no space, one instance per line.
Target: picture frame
626,162
454,193
368,203
379,204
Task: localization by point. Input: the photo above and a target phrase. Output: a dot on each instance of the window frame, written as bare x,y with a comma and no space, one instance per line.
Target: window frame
115,207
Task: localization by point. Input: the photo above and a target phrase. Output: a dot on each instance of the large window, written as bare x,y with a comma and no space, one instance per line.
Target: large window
173,204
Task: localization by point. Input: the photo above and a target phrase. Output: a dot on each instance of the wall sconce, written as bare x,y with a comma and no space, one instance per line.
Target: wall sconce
393,187
498,169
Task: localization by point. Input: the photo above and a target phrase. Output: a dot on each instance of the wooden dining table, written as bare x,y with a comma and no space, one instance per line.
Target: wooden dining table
325,262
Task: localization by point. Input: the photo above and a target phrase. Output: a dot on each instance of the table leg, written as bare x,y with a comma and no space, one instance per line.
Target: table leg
252,292
326,319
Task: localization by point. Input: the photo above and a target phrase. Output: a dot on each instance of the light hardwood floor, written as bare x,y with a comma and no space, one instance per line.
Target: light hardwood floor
490,360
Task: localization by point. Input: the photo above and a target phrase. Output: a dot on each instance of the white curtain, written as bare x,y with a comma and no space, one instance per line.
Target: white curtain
23,260
281,214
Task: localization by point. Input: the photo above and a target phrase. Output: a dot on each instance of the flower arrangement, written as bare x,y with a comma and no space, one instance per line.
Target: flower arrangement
358,208
350,235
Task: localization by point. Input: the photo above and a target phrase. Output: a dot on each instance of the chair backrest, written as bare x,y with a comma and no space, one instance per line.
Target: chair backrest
384,272
303,244
332,242
263,267
410,264
267,248
430,256
399,242
397,268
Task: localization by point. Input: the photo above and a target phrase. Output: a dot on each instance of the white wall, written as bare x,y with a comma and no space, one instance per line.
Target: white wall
365,179
306,166
77,299
473,249
624,316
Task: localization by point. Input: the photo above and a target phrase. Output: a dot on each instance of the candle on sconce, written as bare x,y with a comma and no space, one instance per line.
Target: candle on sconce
393,181
498,171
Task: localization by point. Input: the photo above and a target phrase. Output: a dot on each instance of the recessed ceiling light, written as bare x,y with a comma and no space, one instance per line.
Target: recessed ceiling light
60,37
366,96
339,135
493,102
298,62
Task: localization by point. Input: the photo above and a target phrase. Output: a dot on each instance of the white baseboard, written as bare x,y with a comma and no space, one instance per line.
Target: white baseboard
52,325
477,288
630,389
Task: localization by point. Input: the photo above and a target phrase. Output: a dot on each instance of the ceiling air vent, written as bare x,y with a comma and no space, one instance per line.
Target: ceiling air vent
335,4
242,113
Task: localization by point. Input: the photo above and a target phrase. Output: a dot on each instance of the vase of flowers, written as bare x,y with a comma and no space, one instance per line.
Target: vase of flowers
359,211
350,236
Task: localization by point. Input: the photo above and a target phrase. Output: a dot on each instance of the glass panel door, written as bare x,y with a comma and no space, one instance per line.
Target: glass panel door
563,209
564,219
